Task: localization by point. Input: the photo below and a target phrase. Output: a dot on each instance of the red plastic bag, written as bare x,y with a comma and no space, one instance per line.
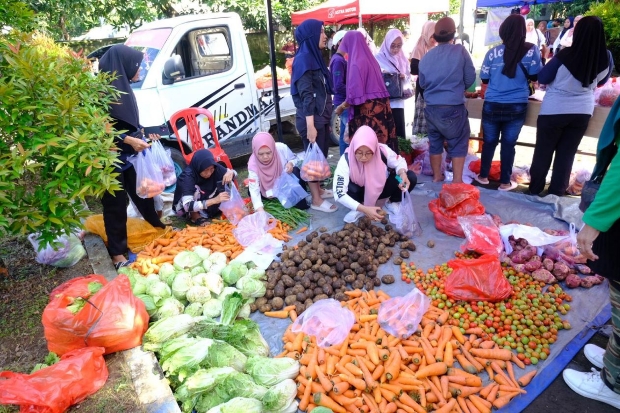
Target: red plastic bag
53,389
482,235
112,318
481,279
455,200
495,172
452,195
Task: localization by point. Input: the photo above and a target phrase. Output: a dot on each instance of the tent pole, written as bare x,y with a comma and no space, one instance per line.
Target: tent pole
274,73
461,16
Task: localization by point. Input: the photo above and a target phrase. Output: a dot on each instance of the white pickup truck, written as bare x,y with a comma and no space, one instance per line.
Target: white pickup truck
212,54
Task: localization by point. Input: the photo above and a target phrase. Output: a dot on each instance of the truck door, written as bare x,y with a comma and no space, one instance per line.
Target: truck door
216,79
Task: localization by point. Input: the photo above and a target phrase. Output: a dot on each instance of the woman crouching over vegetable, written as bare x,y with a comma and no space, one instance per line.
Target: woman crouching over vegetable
200,188
269,160
367,176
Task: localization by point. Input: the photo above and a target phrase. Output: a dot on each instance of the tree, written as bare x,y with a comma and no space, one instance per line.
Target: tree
574,8
56,142
17,15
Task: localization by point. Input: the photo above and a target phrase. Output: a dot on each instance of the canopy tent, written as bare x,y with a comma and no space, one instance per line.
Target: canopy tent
350,11
512,3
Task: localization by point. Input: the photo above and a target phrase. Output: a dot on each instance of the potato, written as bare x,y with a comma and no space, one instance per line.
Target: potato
397,261
279,290
387,279
320,297
264,308
277,303
299,307
290,299
260,301
404,254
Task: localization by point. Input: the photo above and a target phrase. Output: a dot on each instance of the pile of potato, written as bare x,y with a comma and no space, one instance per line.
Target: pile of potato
325,265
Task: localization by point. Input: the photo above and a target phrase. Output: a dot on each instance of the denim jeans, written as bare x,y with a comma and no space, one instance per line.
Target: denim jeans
506,119
344,119
449,123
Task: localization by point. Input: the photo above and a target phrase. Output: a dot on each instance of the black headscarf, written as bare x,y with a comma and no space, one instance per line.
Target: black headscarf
566,29
123,62
587,57
512,33
308,56
190,178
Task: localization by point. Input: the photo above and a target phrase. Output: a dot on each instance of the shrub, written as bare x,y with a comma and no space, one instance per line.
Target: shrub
56,141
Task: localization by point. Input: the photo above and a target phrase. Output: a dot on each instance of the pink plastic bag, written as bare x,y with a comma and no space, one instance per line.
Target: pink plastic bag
53,389
327,320
254,227
481,235
400,316
234,209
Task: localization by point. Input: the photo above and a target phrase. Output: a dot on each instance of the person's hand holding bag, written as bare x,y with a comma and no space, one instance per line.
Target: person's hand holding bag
228,176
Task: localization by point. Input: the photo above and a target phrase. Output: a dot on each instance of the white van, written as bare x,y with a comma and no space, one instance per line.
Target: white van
203,61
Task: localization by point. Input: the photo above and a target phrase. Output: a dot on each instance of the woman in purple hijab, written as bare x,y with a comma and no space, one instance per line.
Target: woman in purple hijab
366,92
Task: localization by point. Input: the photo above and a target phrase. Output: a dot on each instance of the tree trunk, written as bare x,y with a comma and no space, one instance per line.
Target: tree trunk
63,28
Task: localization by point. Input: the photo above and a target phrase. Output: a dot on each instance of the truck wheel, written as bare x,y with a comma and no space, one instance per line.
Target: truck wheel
335,129
179,166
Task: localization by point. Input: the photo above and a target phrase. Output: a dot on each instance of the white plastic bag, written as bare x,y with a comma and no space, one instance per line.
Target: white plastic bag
149,180
234,209
253,227
163,159
400,316
288,190
66,253
402,216
327,320
534,236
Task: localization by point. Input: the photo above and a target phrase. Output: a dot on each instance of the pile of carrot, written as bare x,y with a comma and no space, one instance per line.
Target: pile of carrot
374,372
216,236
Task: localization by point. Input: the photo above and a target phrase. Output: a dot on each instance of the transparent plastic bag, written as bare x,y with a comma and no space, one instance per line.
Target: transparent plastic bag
53,389
253,227
65,252
327,320
400,316
481,235
288,190
163,159
577,180
521,175
149,180
402,217
234,209
480,279
315,166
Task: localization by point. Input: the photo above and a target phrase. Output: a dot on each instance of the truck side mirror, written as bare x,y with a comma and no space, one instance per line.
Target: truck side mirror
173,70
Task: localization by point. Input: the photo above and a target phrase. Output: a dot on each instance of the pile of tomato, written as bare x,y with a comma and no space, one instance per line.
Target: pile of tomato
527,322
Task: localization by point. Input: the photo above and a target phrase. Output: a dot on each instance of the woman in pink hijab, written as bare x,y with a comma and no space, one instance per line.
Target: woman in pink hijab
269,160
366,176
425,43
392,59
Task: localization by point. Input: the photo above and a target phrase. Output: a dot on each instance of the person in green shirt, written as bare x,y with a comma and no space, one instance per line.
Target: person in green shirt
599,242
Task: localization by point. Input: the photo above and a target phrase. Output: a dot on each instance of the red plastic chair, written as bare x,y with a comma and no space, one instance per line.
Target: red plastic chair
192,125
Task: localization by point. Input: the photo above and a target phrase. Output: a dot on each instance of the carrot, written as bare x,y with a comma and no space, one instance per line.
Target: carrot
393,369
354,293
511,373
493,394
494,354
435,369
473,381
476,330
526,378
458,335
321,399
482,405
486,390
447,407
387,394
516,361
467,366
502,401
292,315
448,354
300,230
357,383
341,387
508,388
305,399
479,367
311,371
406,400
462,404
370,382
325,383
276,314
489,344
389,408
444,386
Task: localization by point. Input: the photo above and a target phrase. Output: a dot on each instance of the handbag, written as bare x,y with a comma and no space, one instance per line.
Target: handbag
530,84
393,85
591,187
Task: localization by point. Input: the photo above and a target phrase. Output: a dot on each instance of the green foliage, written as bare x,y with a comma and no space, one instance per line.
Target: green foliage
574,8
609,13
404,145
56,142
16,14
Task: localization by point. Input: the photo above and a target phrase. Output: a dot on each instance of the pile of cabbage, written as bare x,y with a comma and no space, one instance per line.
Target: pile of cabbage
196,283
218,368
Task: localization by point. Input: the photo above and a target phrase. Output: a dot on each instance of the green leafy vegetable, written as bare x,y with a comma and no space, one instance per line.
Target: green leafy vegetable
140,285
182,282
202,252
226,292
169,307
212,308
167,329
251,287
159,290
186,260
167,273
194,309
244,335
271,371
149,303
186,360
198,294
76,305
94,287
218,258
222,354
257,274
233,272
280,397
239,405
230,307
209,400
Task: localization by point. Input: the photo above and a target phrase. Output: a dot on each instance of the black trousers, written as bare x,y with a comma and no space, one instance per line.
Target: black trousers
390,190
399,121
115,211
559,135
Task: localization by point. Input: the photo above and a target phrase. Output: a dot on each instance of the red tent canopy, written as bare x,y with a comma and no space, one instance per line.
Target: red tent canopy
339,12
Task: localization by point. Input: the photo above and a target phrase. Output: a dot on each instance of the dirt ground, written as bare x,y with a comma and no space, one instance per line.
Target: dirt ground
24,293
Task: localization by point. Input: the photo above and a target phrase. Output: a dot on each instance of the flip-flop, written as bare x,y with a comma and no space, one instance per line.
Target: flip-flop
512,186
325,206
327,193
200,222
121,264
481,180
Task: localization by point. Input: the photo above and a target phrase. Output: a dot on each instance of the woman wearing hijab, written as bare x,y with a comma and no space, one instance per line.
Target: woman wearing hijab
338,69
571,77
392,59
311,88
200,188
567,40
269,160
366,176
123,63
367,97
425,43
534,36
506,70
568,24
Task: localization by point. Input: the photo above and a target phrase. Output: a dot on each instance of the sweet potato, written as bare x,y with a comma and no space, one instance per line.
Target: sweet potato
583,269
548,264
533,265
524,255
561,270
591,280
573,281
543,275
519,267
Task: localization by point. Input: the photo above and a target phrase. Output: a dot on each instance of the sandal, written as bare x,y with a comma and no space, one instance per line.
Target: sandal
327,193
511,186
325,206
481,180
200,222
121,264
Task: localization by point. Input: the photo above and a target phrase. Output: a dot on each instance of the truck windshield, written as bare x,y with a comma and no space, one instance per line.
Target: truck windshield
149,42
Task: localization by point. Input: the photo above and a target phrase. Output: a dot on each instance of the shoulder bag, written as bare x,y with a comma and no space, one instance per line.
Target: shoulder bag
530,85
393,84
591,187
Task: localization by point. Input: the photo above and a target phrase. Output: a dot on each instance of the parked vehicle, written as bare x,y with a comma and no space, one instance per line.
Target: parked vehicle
203,61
